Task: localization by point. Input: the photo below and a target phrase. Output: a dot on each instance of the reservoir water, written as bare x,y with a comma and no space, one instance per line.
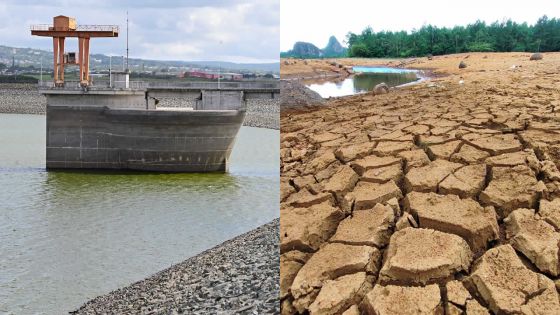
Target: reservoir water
66,237
365,79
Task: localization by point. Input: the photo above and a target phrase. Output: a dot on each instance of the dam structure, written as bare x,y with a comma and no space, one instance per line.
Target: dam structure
119,125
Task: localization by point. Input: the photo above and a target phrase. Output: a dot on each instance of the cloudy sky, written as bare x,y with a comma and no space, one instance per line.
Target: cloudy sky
315,20
225,30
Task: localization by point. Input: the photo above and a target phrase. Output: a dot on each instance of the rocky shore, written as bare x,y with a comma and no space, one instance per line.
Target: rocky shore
25,99
240,276
441,197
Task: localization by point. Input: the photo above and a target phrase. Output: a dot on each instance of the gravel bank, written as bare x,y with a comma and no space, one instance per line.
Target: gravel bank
295,95
21,98
25,99
240,276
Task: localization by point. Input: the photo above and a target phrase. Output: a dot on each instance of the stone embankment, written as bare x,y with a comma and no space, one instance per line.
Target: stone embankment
438,198
240,276
25,99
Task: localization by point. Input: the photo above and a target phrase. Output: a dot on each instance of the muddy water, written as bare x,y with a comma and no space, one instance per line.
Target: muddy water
66,237
365,79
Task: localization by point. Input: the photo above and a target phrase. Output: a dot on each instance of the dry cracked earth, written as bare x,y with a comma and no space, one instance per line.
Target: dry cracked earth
440,198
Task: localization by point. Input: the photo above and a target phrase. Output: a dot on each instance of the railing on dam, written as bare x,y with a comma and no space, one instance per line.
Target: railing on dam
269,86
100,85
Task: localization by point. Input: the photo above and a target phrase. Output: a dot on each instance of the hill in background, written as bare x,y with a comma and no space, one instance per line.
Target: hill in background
308,50
26,57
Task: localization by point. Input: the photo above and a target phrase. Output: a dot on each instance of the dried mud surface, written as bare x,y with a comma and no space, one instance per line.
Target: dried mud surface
441,197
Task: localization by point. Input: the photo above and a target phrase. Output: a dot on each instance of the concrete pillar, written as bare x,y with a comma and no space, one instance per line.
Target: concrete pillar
86,63
61,58
55,53
81,57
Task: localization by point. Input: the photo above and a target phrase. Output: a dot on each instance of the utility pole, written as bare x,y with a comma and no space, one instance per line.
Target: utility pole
127,41
110,75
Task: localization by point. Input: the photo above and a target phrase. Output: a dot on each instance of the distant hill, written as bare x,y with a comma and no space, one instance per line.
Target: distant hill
32,57
334,48
308,50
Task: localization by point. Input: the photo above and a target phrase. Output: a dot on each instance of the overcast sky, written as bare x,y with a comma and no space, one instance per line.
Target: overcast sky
315,20
225,30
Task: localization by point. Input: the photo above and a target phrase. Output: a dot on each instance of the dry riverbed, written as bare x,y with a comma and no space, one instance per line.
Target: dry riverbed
16,98
443,196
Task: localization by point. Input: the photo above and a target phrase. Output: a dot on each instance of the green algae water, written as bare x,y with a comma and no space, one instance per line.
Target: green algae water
66,237
365,80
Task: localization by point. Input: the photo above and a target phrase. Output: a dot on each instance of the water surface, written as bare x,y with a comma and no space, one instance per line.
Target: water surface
365,79
66,237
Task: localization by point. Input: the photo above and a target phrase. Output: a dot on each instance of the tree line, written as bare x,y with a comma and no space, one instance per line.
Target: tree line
501,36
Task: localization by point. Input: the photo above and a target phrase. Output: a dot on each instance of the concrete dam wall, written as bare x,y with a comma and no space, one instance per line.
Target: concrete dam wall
87,137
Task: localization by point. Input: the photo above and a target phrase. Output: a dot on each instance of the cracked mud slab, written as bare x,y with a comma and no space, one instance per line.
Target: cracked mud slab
449,193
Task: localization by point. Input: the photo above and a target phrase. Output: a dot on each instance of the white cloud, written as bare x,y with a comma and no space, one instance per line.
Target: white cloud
180,30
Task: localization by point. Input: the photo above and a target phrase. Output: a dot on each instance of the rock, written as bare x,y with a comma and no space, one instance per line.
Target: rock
465,182
341,182
535,238
370,227
285,189
495,144
304,198
508,159
324,137
306,229
510,188
444,150
304,181
366,195
333,261
536,56
288,270
422,255
397,300
474,308
384,174
430,56
337,295
394,204
451,309
469,154
427,178
462,64
381,88
550,212
320,162
353,310
457,293
450,214
406,220
354,151
414,158
509,287
373,161
286,308
550,171
385,148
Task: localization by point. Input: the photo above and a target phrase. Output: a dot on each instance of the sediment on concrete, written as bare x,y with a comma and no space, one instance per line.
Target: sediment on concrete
239,276
25,99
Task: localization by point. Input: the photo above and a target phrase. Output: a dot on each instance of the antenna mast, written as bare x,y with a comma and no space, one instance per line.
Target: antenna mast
127,41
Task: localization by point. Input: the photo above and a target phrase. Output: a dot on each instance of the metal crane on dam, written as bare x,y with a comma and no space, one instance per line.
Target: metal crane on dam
64,26
118,124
